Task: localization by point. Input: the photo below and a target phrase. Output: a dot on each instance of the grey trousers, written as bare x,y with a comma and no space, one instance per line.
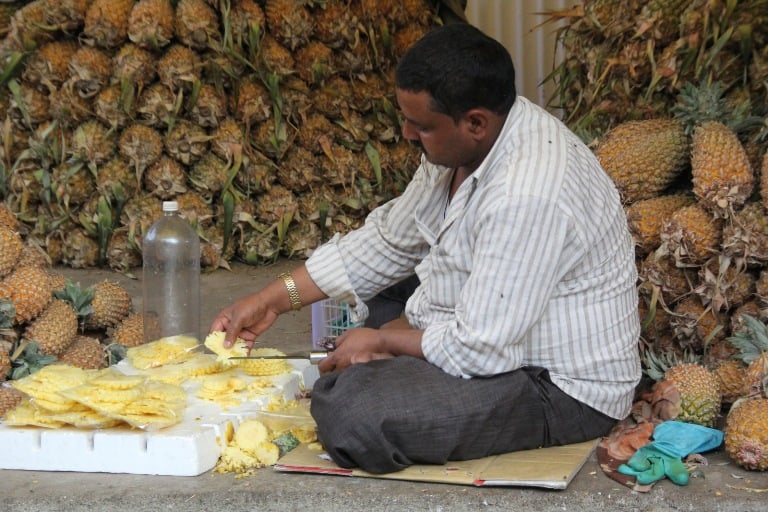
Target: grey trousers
386,415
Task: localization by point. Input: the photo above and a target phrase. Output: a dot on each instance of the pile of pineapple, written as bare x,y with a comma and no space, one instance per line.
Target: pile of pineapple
271,122
46,318
672,96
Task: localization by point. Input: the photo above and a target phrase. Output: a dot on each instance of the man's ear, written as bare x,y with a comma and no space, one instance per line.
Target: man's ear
477,121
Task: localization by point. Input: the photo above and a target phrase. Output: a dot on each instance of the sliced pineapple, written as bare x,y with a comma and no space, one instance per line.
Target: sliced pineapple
171,349
215,342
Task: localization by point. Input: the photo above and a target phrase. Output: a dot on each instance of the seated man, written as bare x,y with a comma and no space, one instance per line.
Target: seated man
522,329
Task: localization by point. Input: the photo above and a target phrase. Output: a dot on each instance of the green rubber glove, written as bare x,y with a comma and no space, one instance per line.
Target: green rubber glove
650,464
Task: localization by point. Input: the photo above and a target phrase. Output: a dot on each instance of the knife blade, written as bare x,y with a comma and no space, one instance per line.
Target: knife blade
313,357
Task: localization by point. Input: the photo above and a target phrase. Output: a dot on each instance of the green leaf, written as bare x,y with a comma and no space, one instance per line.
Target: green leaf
286,442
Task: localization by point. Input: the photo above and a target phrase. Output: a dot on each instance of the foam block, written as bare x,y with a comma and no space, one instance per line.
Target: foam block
189,448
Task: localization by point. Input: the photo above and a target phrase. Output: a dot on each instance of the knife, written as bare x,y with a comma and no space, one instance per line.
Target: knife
314,357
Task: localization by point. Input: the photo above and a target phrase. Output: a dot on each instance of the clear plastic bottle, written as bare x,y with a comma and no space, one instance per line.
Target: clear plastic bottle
171,273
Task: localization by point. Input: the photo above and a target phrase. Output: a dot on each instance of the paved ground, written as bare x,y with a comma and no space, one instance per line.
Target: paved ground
720,486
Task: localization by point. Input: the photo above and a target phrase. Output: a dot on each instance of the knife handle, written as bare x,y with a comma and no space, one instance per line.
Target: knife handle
316,356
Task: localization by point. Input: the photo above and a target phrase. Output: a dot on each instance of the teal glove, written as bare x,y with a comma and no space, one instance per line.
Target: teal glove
649,464
672,440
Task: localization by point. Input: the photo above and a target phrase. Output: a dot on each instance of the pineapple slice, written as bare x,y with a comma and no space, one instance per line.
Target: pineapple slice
215,342
171,349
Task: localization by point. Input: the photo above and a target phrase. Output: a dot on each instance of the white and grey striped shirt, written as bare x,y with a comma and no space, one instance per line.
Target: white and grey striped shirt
531,264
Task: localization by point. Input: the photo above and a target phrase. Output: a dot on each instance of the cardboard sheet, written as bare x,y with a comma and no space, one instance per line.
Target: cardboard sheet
552,468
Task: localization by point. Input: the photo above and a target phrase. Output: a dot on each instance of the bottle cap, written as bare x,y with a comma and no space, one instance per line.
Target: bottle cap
170,206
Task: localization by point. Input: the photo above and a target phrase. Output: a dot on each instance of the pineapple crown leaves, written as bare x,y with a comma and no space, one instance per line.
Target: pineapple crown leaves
752,341
29,360
708,102
657,365
80,299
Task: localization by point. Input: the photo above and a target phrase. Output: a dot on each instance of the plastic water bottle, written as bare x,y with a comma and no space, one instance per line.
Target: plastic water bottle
171,268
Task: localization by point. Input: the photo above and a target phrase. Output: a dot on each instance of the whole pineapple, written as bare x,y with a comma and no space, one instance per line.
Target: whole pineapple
30,291
691,235
150,24
722,175
746,433
698,387
106,22
130,332
54,329
111,304
644,157
730,373
647,216
85,352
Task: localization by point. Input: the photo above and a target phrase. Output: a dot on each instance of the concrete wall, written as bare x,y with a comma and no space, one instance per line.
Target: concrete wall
513,22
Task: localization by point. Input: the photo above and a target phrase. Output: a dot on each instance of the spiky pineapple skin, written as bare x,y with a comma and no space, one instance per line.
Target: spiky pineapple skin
692,235
5,363
106,22
730,374
699,393
54,329
8,218
130,332
151,23
30,290
644,157
111,304
722,174
647,216
85,352
746,434
11,247
9,398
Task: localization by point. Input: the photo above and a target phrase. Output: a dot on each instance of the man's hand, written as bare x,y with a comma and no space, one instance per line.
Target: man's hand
363,344
358,345
246,318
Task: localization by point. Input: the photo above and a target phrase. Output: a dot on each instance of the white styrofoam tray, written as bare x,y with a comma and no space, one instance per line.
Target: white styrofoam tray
189,448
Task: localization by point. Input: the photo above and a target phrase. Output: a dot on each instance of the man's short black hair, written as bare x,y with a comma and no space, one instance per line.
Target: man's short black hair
461,68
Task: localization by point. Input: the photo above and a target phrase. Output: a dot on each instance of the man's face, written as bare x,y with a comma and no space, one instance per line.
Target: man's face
443,141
